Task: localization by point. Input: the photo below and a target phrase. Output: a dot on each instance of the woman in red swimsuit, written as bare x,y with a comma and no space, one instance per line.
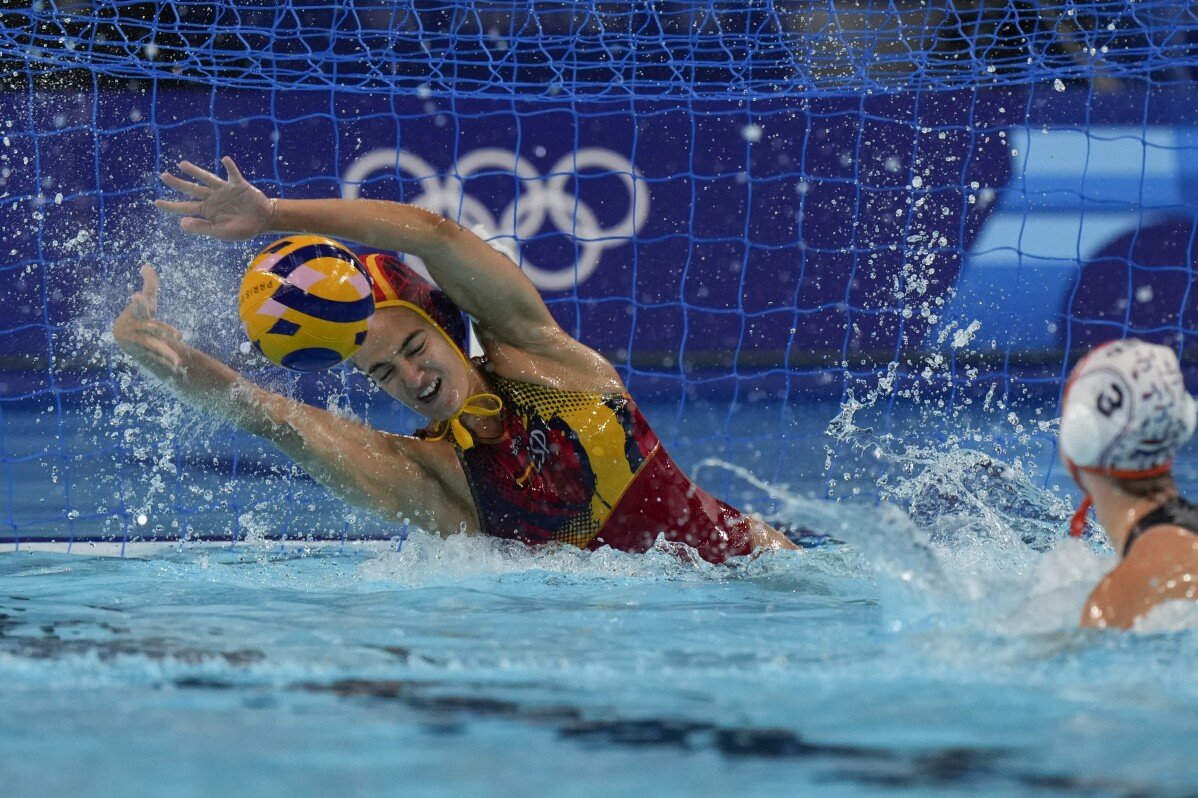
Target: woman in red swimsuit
538,441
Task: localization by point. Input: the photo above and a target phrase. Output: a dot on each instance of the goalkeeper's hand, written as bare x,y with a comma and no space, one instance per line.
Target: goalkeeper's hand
151,342
230,210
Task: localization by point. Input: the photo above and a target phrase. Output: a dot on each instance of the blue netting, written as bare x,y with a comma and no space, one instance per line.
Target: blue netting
561,50
743,203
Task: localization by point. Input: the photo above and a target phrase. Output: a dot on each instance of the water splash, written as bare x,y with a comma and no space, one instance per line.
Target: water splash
949,535
428,559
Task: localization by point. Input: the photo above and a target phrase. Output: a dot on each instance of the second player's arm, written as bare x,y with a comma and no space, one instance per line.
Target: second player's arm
391,475
374,470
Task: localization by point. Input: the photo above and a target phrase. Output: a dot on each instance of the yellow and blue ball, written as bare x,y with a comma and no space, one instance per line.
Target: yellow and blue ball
306,303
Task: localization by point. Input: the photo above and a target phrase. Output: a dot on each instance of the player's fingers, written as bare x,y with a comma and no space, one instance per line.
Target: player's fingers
201,174
231,168
186,186
181,207
149,286
198,226
139,307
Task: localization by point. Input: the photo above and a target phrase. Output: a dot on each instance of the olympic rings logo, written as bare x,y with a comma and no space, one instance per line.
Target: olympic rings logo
541,199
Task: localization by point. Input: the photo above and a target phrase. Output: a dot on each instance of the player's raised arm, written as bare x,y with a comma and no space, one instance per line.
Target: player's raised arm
484,283
392,475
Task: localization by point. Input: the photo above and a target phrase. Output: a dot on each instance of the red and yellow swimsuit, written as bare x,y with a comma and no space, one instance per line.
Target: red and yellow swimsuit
585,468
572,466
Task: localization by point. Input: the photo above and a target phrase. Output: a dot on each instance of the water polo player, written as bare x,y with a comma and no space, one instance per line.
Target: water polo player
1125,415
537,441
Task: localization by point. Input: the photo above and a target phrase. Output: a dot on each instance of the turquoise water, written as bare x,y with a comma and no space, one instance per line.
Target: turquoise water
459,667
934,652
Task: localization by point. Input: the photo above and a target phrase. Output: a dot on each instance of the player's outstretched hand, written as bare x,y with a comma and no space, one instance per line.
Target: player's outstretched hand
230,210
148,340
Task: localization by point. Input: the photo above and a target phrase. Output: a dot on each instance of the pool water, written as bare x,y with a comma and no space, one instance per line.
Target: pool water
933,651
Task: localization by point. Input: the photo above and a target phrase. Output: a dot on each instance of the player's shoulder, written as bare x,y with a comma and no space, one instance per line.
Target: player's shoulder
1163,542
563,363
1160,555
433,455
445,488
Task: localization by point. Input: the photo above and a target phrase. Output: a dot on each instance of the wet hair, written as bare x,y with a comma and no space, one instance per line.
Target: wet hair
1147,488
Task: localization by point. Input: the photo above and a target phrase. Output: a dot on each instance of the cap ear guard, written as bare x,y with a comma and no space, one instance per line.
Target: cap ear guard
395,284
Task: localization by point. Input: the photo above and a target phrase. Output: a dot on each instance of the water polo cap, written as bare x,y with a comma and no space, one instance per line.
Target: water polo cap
395,284
1125,414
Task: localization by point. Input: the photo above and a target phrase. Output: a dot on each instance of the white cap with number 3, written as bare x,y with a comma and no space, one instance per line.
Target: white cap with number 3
1126,411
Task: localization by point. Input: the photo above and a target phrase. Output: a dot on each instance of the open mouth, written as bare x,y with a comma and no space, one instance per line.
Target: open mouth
430,390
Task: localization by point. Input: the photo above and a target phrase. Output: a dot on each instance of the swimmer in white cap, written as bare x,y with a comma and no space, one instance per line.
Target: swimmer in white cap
1125,415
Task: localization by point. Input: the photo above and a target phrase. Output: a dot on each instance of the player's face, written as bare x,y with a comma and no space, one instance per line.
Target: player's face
412,361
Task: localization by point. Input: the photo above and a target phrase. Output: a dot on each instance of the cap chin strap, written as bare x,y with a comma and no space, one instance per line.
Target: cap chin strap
481,404
1077,524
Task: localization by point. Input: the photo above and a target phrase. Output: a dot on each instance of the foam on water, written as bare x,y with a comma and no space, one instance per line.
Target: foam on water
958,542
